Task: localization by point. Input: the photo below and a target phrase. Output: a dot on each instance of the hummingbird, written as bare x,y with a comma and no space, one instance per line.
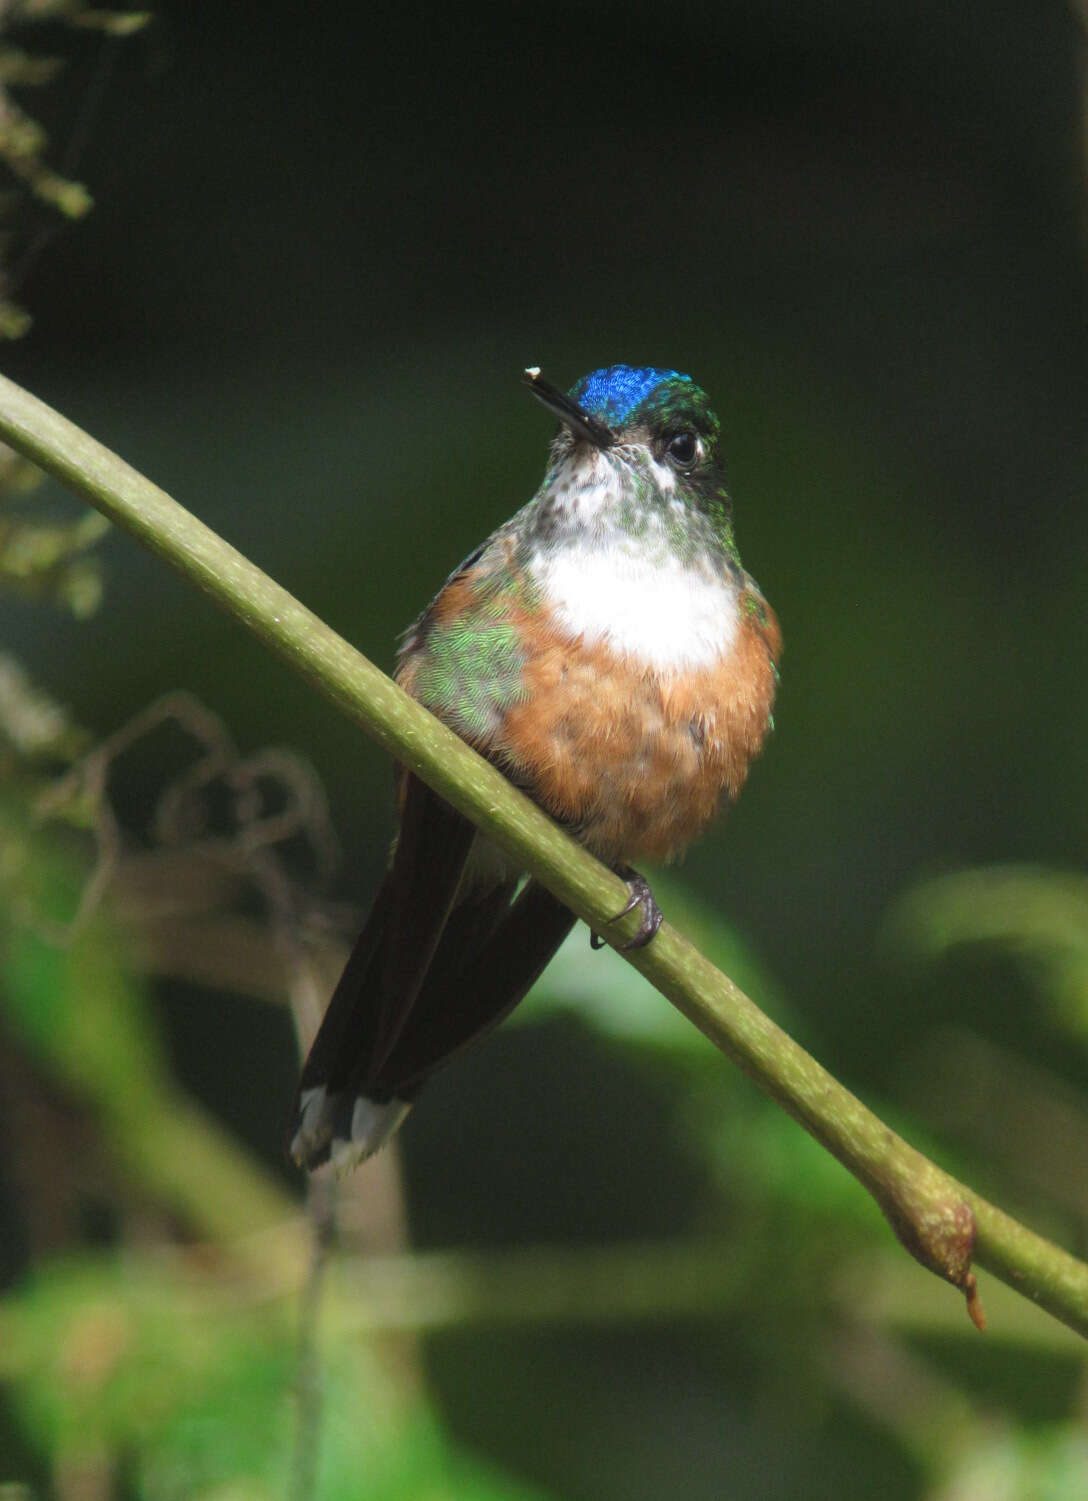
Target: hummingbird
607,651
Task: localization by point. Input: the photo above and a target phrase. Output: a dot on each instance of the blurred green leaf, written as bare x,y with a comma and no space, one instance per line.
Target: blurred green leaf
49,560
33,725
80,1009
1035,916
76,1005
129,1357
1051,1465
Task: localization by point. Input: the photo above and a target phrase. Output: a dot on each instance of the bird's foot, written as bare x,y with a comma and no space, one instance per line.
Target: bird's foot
642,899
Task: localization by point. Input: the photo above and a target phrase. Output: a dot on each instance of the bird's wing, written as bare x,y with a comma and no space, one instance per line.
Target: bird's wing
435,968
474,983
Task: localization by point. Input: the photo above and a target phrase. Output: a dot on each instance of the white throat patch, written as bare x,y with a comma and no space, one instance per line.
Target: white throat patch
657,611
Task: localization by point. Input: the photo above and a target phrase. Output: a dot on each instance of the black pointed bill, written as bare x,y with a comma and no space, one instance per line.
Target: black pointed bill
580,422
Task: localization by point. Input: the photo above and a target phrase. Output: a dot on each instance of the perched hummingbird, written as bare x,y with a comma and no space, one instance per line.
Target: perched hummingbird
608,652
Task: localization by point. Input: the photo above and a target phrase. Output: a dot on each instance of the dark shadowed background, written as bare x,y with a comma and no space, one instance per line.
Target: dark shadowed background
326,241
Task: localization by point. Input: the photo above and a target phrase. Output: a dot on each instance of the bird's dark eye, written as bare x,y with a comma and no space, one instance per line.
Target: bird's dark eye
682,449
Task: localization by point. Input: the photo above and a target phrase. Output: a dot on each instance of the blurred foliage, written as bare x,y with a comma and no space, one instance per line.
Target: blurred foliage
23,141
76,1009
1037,918
33,726
126,1370
1047,1466
166,1370
48,560
40,559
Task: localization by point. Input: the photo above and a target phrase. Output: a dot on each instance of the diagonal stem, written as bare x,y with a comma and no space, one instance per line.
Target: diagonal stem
943,1224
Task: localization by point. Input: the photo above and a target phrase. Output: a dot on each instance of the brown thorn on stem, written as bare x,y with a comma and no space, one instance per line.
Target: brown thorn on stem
974,1302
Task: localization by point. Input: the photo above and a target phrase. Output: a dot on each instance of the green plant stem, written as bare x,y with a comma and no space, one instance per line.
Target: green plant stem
943,1224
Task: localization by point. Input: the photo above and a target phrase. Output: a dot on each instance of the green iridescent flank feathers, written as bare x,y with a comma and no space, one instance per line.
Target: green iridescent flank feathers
471,673
754,605
469,669
719,509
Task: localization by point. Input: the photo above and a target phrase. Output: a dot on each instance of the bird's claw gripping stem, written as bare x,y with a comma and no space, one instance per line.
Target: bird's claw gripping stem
642,899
